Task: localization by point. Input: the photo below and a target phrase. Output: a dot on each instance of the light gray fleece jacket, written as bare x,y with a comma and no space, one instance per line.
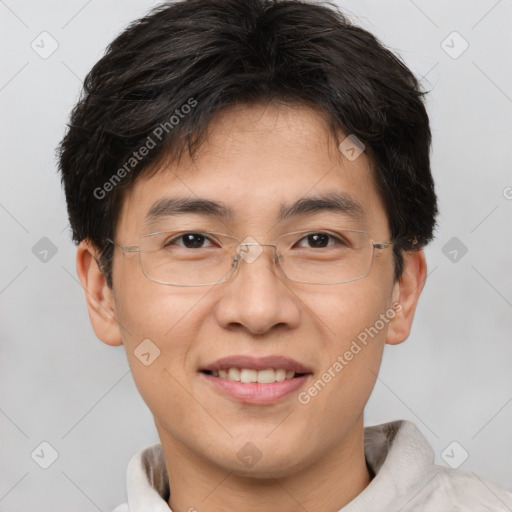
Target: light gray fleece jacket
406,478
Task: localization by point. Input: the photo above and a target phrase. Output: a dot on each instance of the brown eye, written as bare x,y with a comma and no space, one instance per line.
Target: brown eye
317,240
189,241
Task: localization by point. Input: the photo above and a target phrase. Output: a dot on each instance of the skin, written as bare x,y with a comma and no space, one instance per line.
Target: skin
255,158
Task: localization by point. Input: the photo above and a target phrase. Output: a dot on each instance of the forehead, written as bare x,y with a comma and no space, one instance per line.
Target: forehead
260,165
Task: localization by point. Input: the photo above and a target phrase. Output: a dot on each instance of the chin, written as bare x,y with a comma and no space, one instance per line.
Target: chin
263,458
269,468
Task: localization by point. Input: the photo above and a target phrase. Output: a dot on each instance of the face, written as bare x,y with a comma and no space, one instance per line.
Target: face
255,160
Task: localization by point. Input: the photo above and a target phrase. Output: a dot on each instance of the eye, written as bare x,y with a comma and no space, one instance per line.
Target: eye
319,240
189,241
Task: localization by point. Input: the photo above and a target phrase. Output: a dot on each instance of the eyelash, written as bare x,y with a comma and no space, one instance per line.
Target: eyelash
167,243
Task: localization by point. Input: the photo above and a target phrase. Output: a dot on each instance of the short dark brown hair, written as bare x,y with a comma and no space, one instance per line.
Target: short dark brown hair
173,70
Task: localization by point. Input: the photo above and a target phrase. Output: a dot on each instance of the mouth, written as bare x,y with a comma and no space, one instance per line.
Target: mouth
256,380
248,375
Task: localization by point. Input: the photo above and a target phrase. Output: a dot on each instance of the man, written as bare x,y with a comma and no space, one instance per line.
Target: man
249,184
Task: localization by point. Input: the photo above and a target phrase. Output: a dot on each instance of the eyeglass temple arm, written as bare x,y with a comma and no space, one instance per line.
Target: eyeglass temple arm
382,245
125,249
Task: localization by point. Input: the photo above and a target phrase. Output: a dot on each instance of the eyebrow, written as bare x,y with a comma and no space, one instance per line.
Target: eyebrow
338,202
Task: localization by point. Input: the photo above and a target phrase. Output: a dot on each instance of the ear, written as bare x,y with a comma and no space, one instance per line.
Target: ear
406,294
99,297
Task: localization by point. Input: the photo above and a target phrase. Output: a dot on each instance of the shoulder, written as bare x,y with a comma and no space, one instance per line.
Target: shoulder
407,479
466,491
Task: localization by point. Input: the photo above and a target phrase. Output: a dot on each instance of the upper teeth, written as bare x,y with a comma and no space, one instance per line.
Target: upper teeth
263,376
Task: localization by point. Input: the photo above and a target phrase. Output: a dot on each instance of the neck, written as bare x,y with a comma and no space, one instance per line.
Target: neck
327,484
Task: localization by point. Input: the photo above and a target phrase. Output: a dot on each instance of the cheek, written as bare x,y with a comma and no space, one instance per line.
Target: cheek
159,336
150,310
344,312
159,324
354,320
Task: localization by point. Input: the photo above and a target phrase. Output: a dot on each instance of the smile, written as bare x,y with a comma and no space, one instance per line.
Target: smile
247,375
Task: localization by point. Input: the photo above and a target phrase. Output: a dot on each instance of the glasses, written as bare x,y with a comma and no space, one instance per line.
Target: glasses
195,258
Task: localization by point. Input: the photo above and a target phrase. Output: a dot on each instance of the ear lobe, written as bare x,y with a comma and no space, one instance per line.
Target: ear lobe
406,294
99,297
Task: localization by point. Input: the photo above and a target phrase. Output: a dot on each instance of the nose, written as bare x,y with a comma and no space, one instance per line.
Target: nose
257,297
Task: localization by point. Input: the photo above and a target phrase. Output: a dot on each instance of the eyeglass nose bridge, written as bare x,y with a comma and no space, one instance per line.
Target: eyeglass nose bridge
244,251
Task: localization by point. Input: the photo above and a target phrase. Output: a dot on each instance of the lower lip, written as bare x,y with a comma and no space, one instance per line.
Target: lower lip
255,392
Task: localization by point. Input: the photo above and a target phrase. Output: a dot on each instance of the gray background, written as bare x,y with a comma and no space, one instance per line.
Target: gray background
59,384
